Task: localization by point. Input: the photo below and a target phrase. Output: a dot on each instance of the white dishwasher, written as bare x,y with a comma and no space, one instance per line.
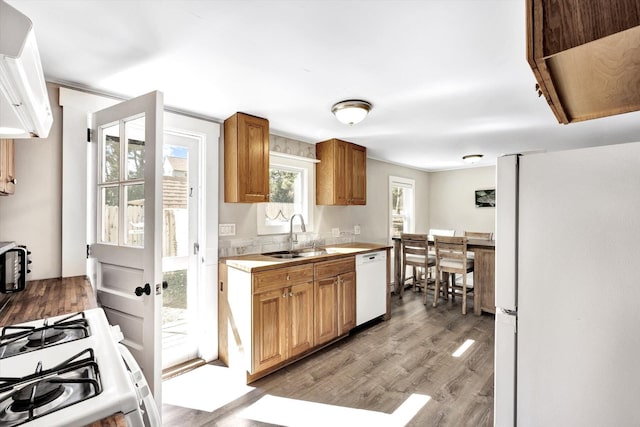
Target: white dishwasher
371,286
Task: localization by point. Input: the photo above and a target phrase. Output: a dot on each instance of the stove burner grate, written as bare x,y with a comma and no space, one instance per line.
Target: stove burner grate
46,391
18,339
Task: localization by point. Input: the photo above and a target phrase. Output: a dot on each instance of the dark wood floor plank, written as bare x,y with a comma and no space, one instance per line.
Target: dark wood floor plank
379,367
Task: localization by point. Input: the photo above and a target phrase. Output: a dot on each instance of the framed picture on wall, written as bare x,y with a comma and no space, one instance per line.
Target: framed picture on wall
486,198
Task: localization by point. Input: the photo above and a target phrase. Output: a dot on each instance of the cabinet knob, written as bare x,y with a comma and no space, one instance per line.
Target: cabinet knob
290,293
284,294
288,277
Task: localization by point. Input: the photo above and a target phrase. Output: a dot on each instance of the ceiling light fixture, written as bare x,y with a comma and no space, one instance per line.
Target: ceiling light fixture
351,111
472,158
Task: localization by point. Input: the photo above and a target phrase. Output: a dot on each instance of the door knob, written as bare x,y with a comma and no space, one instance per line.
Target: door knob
146,290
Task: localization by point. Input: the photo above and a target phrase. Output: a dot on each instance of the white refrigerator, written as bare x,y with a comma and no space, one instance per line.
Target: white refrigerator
567,334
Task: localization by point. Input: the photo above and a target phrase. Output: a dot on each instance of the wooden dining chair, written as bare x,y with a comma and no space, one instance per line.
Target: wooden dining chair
451,259
415,248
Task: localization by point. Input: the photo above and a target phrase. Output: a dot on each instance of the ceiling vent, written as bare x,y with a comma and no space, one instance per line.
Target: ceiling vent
24,104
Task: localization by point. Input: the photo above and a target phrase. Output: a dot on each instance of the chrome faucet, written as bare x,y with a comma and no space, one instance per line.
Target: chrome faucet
293,238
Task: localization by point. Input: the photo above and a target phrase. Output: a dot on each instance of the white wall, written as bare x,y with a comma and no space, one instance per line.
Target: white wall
33,215
373,218
452,200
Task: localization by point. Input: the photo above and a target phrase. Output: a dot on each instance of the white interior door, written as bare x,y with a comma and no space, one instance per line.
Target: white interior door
129,228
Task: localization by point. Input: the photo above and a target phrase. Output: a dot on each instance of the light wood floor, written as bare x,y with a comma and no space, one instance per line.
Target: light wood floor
379,367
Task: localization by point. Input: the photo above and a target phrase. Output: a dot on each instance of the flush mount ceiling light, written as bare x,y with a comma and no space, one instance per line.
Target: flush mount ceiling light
351,111
472,158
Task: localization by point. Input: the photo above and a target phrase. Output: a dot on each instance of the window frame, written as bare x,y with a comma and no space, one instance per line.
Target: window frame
307,167
396,181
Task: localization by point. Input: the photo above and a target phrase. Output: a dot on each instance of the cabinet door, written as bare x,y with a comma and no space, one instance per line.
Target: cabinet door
326,315
342,171
253,158
300,323
269,339
346,302
7,168
358,175
246,159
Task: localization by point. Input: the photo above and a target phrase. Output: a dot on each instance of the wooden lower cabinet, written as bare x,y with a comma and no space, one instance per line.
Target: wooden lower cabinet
269,323
346,302
283,324
335,299
326,306
300,322
271,317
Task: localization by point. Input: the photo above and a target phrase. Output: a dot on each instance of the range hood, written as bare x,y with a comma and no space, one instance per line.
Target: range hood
25,111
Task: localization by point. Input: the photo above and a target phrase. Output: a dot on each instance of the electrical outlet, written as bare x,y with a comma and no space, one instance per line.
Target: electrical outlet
356,229
335,232
226,230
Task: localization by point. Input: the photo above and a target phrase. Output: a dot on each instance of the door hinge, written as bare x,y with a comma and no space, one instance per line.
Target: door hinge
89,134
88,251
196,248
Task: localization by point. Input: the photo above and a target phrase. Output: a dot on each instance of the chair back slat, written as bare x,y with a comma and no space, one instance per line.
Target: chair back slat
479,235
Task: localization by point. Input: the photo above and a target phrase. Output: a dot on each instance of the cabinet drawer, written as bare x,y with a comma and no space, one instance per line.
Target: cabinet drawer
273,279
333,268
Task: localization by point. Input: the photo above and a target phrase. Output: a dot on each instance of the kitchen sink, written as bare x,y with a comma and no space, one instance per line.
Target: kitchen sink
295,254
284,256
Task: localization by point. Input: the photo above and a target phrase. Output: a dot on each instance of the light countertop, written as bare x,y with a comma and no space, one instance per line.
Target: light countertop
252,263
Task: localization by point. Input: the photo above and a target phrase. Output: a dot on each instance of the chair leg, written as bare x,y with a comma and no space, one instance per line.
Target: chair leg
414,278
436,290
402,279
464,293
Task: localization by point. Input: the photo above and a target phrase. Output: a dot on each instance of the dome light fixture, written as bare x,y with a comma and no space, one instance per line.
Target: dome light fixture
351,111
472,158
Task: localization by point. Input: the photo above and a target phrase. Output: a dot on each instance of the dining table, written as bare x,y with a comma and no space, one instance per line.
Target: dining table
483,272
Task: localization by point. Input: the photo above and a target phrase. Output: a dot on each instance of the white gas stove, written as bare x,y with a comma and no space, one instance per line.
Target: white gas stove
70,371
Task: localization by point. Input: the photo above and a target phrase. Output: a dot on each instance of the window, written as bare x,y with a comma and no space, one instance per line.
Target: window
121,183
291,183
401,206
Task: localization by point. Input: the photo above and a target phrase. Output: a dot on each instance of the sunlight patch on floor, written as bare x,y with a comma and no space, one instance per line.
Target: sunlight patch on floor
464,347
293,413
206,388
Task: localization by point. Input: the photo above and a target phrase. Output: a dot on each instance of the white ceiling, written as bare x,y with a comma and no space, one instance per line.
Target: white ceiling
446,78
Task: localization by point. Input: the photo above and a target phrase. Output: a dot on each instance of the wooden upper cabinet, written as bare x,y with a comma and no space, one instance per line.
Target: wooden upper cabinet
7,167
585,56
246,159
341,175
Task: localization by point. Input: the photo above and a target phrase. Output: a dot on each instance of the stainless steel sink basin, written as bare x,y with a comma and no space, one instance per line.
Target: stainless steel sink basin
295,254
285,256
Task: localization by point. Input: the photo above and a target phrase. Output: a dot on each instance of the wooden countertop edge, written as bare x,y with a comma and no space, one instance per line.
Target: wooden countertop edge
240,262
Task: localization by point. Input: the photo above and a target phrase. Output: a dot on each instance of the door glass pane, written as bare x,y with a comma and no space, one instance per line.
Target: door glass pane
134,129
134,216
175,193
111,153
174,309
110,202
